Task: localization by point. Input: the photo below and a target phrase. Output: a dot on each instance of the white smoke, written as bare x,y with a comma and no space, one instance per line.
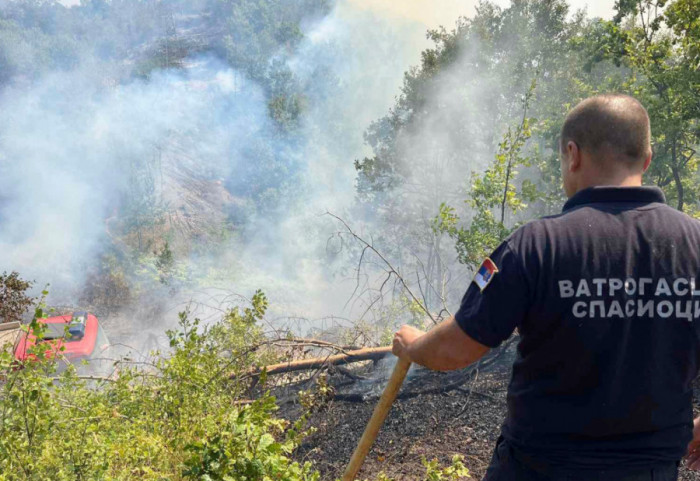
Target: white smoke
72,140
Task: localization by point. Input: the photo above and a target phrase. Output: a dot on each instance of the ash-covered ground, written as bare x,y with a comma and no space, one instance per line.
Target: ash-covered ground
437,415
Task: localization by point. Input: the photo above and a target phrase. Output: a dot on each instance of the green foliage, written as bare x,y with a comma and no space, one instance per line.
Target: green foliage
459,122
651,50
492,195
176,418
453,472
14,300
660,45
169,53
165,261
124,40
240,333
286,109
495,56
259,33
318,398
246,448
32,52
434,472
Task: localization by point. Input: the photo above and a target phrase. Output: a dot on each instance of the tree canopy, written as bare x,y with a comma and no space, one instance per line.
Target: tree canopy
472,84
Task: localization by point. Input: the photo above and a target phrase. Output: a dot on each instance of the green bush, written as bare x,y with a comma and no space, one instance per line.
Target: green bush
14,300
179,417
175,418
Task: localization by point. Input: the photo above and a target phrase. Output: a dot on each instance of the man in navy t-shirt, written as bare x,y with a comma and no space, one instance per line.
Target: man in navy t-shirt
606,299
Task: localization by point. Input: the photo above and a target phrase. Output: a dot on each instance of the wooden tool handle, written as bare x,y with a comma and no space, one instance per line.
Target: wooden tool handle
377,419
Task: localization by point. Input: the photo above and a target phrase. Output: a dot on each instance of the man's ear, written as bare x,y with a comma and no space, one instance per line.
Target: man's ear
647,162
574,156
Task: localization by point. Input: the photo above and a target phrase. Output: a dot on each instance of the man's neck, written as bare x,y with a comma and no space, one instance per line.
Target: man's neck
612,181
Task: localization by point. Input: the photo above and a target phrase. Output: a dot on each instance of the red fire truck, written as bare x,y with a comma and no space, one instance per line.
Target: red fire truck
72,338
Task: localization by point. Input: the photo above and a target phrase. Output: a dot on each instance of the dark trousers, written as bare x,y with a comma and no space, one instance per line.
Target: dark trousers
508,464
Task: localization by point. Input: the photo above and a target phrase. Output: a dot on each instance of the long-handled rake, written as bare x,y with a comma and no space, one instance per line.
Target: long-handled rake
377,419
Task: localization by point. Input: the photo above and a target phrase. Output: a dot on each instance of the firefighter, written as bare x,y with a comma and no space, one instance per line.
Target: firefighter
606,299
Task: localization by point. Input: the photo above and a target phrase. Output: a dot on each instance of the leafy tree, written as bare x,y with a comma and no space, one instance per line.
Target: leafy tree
31,52
492,196
165,261
659,41
259,36
14,300
448,125
492,57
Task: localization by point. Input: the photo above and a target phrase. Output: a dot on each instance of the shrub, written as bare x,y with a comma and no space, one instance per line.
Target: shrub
14,300
177,418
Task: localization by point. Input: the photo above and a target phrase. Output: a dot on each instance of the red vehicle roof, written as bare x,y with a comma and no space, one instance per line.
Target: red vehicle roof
73,348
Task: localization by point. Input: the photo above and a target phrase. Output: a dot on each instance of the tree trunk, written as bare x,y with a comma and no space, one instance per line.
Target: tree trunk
677,178
505,193
366,354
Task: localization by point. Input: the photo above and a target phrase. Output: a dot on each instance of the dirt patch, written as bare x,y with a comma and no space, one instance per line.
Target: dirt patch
463,420
428,425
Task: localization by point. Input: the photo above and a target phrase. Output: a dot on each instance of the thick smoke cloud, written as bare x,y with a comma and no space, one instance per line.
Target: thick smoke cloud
68,145
76,140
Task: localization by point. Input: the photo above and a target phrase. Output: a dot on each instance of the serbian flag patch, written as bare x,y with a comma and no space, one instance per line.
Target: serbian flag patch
485,274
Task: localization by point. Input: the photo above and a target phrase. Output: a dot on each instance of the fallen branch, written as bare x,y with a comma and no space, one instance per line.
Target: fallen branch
7,326
366,354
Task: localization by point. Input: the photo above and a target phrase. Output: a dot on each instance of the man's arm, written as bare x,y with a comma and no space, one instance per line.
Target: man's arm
495,303
692,457
444,348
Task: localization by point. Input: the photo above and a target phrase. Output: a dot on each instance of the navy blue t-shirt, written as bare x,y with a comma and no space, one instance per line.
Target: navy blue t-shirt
606,299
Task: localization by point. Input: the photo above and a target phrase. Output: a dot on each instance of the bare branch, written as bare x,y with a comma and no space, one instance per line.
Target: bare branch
388,264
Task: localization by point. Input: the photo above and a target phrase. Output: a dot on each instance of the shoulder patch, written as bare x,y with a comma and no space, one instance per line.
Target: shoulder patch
485,274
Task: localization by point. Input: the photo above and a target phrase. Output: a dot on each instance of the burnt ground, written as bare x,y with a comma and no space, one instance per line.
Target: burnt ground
437,415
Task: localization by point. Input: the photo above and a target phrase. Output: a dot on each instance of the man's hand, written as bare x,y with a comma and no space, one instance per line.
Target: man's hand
444,348
404,338
692,458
